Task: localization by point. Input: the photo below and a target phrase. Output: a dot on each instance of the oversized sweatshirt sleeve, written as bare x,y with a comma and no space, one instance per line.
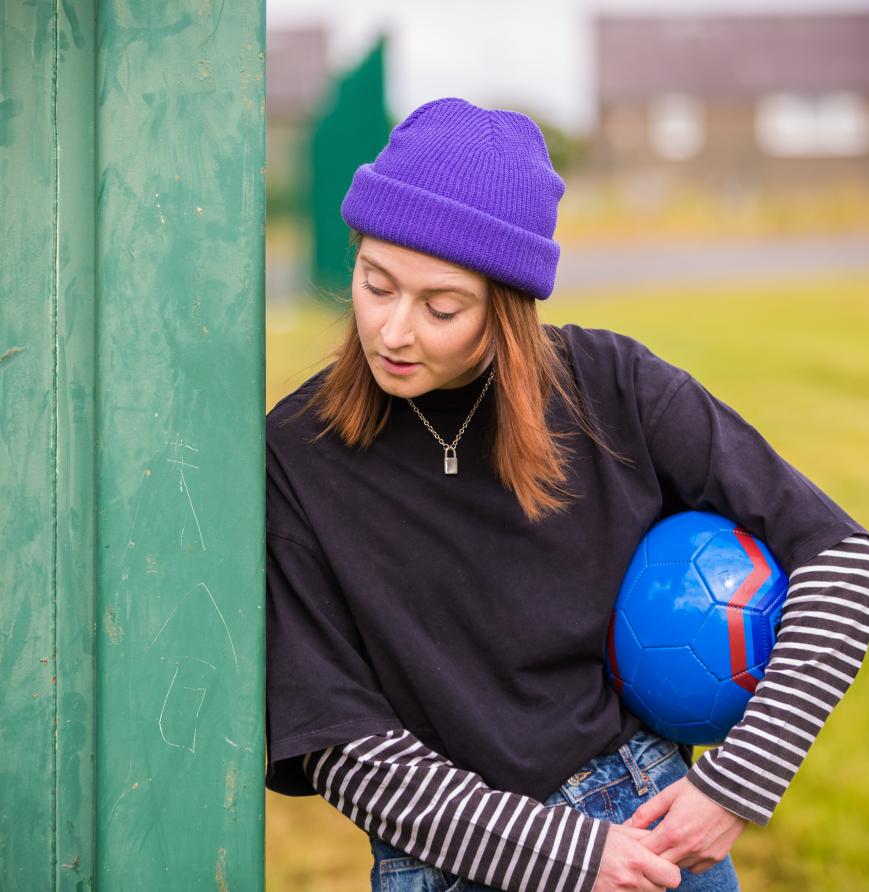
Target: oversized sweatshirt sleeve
818,651
707,457
320,686
410,796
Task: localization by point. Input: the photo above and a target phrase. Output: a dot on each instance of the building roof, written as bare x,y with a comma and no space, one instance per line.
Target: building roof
730,56
297,73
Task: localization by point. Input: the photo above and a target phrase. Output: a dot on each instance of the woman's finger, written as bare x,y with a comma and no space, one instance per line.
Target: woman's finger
661,872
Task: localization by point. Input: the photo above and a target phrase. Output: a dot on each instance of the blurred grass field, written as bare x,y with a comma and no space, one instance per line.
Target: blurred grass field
596,209
793,359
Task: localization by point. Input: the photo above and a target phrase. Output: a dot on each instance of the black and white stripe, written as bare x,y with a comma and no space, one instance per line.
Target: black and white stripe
819,649
392,785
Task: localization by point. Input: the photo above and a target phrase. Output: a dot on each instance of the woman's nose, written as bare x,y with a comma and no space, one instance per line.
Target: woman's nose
397,331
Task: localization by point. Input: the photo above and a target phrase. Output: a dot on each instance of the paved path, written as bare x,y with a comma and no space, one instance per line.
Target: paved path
633,265
601,267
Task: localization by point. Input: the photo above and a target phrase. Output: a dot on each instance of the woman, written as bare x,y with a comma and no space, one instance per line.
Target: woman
451,506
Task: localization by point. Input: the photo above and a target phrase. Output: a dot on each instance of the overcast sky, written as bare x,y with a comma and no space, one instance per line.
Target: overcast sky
495,53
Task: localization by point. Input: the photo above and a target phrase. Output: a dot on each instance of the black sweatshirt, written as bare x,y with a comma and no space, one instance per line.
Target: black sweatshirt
404,598
394,787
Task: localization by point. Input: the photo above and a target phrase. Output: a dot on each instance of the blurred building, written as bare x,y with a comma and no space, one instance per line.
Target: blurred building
322,124
749,95
297,80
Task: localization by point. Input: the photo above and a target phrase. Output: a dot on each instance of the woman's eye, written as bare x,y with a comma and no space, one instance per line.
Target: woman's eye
438,315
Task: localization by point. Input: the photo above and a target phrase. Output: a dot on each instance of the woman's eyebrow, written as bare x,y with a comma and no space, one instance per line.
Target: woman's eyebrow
452,289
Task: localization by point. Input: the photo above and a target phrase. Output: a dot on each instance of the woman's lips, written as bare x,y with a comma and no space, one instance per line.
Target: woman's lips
398,368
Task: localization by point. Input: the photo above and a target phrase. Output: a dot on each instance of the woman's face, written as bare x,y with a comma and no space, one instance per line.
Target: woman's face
421,310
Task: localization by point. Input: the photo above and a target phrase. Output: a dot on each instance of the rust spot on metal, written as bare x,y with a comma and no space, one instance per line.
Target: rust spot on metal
74,864
220,871
111,627
11,352
229,797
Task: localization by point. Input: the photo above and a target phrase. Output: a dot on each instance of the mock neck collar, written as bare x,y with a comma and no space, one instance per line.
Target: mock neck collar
458,398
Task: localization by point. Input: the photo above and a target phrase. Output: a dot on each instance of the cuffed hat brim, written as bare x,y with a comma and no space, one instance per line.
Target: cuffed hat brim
407,215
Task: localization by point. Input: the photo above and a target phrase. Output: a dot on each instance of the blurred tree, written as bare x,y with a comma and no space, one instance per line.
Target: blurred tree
350,128
566,151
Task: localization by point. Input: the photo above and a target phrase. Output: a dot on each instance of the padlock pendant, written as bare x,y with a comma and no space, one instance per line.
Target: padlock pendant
451,463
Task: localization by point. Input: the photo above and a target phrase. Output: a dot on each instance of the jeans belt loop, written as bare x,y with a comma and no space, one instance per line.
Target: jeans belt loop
639,777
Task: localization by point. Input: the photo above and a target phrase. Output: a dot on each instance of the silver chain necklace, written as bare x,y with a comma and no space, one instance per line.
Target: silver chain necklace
451,462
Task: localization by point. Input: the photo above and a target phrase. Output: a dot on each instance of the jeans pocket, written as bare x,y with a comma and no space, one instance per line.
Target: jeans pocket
613,802
611,787
396,871
667,771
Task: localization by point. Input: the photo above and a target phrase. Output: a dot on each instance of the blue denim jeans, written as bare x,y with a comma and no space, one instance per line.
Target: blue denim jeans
611,787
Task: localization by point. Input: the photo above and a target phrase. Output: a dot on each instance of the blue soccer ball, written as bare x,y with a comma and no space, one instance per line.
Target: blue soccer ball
694,622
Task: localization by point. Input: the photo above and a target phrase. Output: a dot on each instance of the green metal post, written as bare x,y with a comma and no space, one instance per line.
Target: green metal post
46,274
131,445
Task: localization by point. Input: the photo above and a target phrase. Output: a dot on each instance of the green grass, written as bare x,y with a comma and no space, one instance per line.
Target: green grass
609,209
792,358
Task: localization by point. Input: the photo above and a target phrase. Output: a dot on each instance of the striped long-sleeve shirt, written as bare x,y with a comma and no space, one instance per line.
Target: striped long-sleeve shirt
395,787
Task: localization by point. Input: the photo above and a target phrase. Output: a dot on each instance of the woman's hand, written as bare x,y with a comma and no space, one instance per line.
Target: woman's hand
628,865
696,833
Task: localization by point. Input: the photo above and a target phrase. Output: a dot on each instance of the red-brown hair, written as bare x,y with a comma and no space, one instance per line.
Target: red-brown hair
527,455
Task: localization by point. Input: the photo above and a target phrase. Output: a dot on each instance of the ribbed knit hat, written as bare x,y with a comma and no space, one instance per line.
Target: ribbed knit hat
468,184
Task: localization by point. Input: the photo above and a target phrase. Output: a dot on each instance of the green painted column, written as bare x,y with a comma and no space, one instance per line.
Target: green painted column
46,728
131,445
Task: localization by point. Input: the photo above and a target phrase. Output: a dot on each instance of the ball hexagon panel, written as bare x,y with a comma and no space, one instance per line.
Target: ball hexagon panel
770,596
712,644
695,733
729,705
730,640
674,685
725,566
680,536
667,605
635,568
740,570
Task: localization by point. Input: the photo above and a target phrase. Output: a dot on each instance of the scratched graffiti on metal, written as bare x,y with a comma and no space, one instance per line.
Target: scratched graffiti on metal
184,697
178,444
186,693
193,591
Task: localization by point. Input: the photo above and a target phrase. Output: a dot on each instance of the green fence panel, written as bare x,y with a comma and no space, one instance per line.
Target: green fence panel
131,445
350,129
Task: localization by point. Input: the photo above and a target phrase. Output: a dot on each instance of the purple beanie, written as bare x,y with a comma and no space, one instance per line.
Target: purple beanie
468,184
